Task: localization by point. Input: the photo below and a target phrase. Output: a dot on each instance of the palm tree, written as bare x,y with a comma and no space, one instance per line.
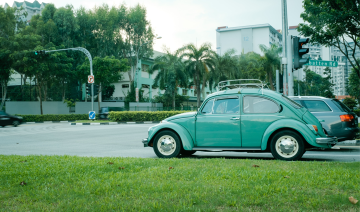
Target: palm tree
271,61
171,73
226,68
250,66
198,62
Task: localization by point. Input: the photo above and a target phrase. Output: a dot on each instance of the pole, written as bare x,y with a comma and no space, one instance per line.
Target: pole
284,39
299,82
277,81
290,66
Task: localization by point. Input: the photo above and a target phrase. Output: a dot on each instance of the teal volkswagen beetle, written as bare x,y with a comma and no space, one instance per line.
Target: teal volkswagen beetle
243,118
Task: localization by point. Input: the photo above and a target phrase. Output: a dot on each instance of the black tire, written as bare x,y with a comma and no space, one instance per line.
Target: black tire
2,125
16,123
187,152
169,149
287,145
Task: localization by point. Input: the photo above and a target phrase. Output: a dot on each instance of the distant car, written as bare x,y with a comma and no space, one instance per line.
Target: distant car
6,119
335,117
241,119
104,111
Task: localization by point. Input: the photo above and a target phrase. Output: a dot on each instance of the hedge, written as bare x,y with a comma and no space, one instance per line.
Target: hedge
357,111
142,115
55,117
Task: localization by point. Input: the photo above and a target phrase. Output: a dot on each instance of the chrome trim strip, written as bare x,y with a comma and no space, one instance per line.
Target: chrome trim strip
223,148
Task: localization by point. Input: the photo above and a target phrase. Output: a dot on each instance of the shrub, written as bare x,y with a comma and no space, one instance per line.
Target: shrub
54,117
350,102
142,115
357,111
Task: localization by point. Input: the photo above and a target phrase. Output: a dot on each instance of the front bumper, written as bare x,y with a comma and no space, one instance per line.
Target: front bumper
145,142
328,140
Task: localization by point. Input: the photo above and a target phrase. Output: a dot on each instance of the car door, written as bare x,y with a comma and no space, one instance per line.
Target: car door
218,123
257,114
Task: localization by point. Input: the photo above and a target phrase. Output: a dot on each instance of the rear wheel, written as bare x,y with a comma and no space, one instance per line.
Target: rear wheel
287,145
167,144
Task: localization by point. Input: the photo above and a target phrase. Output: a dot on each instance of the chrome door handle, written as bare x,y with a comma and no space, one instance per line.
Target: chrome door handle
234,118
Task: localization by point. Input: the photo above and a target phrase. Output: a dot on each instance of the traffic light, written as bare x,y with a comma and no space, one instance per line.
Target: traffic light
96,89
299,51
40,52
88,88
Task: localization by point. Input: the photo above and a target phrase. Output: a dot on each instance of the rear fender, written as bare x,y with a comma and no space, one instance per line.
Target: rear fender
297,126
186,139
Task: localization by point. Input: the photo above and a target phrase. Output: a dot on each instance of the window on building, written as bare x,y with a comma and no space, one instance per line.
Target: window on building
144,67
184,92
125,85
195,92
145,86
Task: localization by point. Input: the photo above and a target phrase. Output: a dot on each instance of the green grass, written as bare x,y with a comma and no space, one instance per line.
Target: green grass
70,183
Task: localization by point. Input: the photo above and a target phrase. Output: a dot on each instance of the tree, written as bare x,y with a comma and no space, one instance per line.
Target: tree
334,23
326,85
226,68
198,62
271,61
108,91
170,73
251,67
350,103
353,87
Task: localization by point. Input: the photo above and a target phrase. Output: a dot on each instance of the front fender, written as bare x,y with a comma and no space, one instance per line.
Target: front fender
298,126
186,139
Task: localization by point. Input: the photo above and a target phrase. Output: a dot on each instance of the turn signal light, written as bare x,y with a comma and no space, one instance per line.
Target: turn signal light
315,128
346,118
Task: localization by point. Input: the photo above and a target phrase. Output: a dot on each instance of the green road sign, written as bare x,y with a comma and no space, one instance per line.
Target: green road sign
322,63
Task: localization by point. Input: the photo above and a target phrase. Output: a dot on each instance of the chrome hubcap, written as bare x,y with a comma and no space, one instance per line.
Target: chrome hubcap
287,146
166,145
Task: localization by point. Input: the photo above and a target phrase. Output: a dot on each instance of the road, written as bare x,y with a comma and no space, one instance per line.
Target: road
115,141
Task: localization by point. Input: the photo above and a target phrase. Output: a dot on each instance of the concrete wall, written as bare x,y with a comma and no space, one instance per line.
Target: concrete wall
144,106
33,108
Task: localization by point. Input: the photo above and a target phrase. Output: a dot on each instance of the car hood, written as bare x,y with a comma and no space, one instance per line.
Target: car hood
182,115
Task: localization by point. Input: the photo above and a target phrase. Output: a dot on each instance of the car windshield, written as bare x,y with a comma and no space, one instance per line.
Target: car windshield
292,102
341,105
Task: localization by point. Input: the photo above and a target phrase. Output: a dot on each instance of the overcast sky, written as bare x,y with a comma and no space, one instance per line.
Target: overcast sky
181,22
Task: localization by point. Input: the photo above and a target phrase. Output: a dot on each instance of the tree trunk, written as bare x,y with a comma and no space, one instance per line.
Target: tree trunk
21,88
174,94
63,91
99,90
203,86
45,91
198,89
3,96
271,80
38,85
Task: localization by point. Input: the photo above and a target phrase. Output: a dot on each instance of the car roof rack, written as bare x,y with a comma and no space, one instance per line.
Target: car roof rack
242,83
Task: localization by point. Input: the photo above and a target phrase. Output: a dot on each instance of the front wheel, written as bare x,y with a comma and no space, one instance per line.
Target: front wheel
167,144
16,123
287,145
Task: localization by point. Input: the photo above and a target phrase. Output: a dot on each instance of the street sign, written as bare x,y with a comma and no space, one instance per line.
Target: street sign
91,79
322,63
91,114
137,94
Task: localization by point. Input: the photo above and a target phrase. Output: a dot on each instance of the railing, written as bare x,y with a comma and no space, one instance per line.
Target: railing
241,83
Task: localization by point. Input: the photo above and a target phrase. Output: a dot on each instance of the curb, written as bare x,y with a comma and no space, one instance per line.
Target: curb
115,123
42,122
349,143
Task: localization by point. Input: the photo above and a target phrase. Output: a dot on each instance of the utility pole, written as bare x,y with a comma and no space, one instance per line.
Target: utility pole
284,43
290,66
87,53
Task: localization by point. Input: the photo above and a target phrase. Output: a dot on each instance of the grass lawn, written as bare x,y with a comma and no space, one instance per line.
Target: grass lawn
70,183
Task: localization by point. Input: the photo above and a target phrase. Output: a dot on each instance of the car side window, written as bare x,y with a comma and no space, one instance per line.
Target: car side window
316,106
207,109
254,104
226,106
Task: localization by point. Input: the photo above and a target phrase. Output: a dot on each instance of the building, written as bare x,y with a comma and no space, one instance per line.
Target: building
146,82
244,39
340,74
31,9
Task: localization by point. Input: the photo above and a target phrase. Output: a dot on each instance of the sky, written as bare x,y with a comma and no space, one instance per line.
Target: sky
180,22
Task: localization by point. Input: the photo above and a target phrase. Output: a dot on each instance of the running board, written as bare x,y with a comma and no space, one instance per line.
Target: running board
225,149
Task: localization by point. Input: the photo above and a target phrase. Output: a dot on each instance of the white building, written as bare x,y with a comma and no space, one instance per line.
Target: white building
246,38
31,9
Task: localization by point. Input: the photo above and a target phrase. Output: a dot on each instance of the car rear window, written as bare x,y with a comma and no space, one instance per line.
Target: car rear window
316,106
341,105
292,103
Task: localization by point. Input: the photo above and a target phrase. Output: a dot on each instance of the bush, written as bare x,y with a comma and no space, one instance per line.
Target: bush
357,111
55,117
350,103
142,115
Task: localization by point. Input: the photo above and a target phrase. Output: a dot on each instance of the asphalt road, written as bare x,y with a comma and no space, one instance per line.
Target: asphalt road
115,141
